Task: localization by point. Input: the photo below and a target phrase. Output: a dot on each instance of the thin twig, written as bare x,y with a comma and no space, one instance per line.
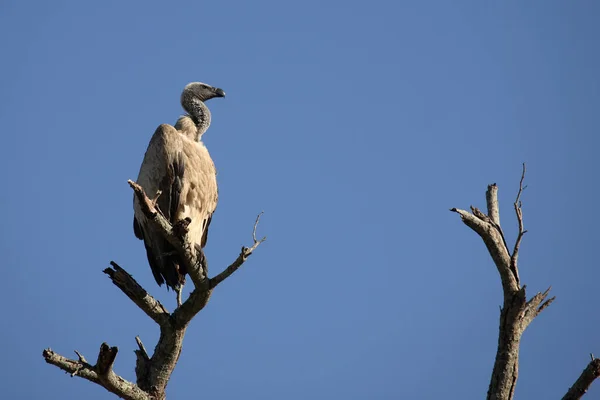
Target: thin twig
517,205
141,347
254,229
521,187
81,357
244,254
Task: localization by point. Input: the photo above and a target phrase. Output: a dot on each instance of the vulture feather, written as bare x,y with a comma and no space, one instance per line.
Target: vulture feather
178,165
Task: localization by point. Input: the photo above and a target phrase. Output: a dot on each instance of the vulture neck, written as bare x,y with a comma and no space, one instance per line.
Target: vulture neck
196,122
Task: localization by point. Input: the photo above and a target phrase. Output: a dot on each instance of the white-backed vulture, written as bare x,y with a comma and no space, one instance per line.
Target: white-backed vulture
178,165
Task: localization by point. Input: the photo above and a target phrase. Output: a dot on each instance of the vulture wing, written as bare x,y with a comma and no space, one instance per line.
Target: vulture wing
185,174
163,169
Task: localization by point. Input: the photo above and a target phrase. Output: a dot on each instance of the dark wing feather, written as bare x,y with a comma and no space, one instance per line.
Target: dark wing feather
137,229
168,202
178,168
152,260
162,169
205,234
154,263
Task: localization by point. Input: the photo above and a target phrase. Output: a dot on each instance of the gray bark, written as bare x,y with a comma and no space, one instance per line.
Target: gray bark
516,313
153,372
581,386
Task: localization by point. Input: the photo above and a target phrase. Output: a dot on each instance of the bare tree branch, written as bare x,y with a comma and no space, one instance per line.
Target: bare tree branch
101,373
142,361
153,373
244,254
517,205
166,354
163,361
516,313
583,383
536,305
141,348
494,242
81,357
148,304
189,253
491,197
106,359
200,296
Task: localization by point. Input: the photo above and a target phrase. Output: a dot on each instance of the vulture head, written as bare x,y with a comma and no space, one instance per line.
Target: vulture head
199,91
192,100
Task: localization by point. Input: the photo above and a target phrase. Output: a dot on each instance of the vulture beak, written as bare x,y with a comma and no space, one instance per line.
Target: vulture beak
219,92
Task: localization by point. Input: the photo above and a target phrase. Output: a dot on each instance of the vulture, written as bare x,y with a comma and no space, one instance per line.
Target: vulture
179,170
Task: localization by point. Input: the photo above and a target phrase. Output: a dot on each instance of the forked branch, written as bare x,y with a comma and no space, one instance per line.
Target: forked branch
153,372
517,313
101,373
244,254
188,252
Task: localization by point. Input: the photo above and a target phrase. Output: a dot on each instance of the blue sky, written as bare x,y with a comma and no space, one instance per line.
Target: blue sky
355,126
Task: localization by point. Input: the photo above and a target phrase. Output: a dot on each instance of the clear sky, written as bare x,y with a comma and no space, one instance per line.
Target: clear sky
355,126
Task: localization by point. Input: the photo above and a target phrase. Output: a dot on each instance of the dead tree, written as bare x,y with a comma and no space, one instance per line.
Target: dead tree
153,372
517,312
